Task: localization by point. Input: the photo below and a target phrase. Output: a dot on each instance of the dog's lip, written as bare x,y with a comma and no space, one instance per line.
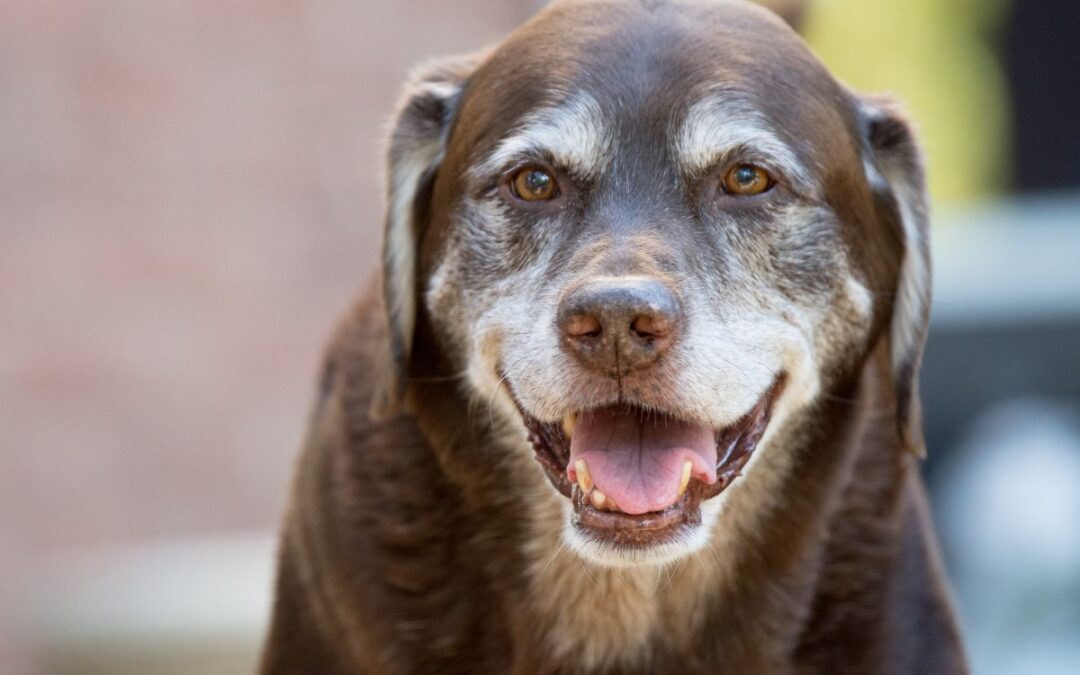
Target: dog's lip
647,529
735,445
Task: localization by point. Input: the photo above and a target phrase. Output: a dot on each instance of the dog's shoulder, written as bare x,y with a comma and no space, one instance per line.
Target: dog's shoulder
374,524
378,477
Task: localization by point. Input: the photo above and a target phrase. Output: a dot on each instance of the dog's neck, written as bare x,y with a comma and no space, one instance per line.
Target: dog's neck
600,616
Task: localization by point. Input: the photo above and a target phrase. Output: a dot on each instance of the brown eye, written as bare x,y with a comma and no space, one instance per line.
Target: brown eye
747,180
534,185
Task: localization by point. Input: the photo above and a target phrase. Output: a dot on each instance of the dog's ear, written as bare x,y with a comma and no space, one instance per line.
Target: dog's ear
896,173
417,143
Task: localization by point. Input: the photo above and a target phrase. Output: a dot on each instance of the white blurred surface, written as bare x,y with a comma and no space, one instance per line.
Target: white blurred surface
178,607
1007,261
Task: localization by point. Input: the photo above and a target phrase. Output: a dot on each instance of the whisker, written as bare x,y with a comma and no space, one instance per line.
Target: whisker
558,549
497,387
440,378
585,569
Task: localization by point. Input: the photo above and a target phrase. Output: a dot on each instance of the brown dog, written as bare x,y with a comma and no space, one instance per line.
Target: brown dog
639,395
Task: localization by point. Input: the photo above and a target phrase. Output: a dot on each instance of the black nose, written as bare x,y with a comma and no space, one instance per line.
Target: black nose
619,325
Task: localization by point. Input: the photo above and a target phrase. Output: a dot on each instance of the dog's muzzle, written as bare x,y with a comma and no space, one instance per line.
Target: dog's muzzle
636,474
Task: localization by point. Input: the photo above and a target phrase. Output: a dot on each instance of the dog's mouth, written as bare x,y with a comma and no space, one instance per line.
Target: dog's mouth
637,477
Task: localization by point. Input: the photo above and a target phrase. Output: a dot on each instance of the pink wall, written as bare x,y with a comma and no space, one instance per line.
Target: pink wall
189,197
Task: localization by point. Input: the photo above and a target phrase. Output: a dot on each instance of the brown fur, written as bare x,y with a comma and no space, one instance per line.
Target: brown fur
422,535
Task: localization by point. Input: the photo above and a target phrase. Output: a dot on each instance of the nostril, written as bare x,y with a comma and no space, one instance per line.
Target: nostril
583,325
650,327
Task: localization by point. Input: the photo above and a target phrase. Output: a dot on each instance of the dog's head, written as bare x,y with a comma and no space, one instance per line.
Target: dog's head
650,233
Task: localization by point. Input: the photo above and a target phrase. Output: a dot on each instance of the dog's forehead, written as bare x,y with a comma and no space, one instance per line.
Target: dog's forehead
584,69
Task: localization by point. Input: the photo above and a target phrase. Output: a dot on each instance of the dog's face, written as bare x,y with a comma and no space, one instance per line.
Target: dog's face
651,234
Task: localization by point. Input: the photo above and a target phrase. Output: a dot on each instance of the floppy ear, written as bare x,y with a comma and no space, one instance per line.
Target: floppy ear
897,176
417,144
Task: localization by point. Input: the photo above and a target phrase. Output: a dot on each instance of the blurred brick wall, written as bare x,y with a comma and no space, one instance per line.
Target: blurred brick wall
189,197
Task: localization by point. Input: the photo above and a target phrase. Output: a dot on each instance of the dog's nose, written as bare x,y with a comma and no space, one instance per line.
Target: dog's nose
619,325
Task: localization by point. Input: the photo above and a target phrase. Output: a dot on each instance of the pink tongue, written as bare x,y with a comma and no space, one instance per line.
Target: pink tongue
639,462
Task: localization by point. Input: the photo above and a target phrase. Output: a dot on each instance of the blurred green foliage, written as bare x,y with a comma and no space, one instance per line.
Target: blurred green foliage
936,58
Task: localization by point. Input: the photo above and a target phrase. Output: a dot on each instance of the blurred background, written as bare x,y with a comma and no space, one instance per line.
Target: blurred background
190,197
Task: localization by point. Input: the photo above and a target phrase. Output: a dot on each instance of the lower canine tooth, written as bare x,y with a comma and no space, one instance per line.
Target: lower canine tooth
584,480
687,467
598,499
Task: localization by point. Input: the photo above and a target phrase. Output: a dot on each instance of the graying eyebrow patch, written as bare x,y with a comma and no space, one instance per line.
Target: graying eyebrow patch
573,133
719,125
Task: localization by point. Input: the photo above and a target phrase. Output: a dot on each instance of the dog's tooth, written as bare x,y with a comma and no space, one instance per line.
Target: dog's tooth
568,424
687,467
584,480
598,500
610,505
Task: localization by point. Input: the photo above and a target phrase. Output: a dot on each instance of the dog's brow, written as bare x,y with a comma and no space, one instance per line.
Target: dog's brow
573,134
718,126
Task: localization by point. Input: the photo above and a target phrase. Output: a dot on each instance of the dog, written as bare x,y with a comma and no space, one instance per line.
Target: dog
637,391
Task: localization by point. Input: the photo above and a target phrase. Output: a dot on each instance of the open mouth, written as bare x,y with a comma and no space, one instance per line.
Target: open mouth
637,477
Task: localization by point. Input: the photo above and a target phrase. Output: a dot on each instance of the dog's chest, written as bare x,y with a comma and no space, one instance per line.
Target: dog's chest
603,618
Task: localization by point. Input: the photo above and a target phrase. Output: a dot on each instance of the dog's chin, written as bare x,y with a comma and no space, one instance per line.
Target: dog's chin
680,532
666,516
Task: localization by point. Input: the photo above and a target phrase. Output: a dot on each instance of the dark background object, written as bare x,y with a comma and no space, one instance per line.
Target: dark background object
970,367
1041,57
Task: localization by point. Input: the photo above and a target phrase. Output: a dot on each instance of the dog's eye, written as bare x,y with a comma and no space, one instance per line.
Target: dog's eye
534,185
747,180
